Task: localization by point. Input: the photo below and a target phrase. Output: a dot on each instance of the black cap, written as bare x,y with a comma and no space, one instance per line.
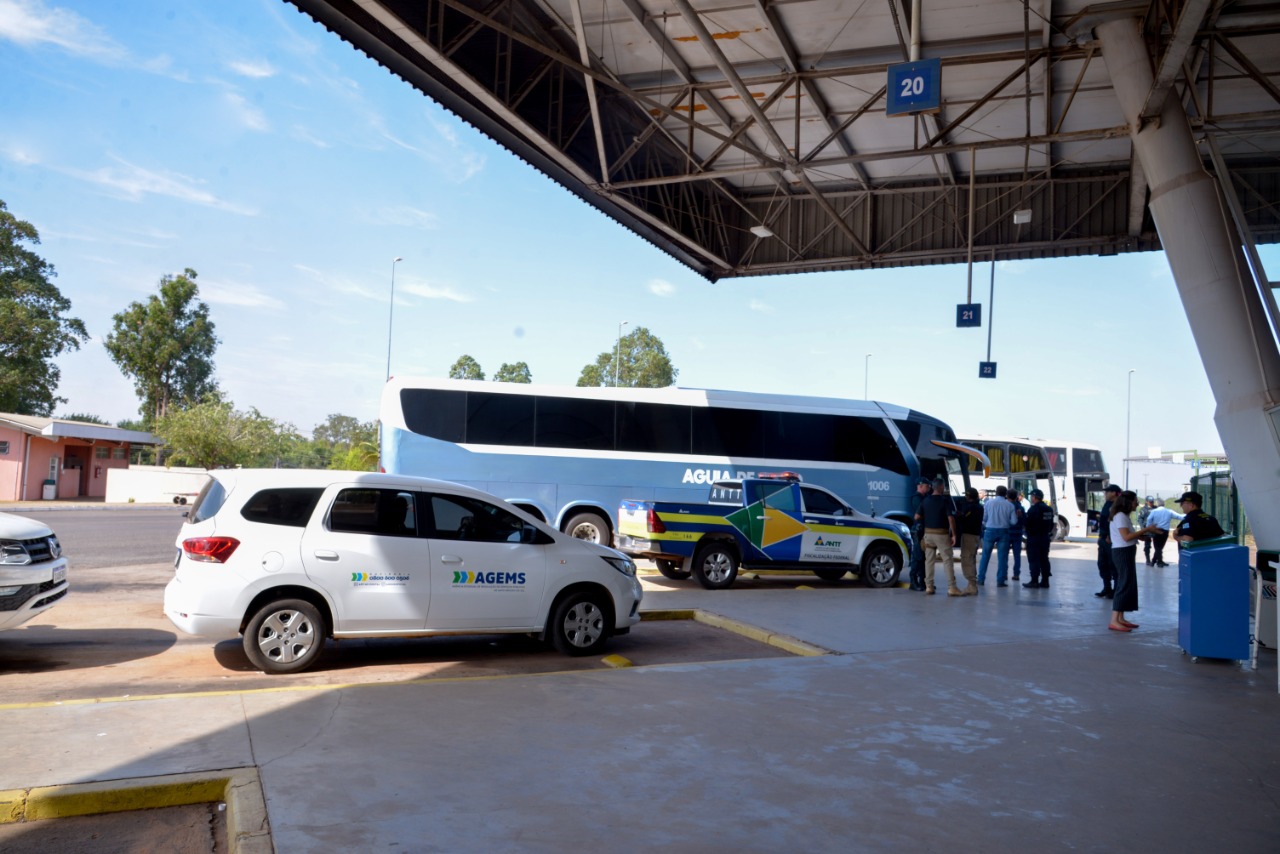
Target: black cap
1037,493
1113,487
924,481
1194,497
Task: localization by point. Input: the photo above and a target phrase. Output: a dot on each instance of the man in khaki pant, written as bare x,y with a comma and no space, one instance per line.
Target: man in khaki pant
939,520
969,520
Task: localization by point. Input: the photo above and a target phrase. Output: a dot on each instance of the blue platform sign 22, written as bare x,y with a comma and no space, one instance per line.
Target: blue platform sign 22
914,87
986,370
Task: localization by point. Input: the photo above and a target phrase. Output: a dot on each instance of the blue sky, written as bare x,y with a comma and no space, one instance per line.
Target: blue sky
241,139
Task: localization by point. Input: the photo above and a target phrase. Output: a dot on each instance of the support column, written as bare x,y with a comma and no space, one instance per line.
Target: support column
1222,303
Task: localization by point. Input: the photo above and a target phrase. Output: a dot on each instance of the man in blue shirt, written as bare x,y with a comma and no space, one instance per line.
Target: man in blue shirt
1162,517
997,517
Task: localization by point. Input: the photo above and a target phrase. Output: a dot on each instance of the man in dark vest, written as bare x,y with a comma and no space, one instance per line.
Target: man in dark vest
1040,524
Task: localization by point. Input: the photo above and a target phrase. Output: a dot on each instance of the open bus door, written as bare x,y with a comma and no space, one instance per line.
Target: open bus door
958,468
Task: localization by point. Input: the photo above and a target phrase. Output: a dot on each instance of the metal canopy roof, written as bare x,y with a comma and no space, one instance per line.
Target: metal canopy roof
693,122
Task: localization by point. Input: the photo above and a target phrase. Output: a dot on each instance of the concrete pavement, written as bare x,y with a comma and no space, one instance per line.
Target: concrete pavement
1009,721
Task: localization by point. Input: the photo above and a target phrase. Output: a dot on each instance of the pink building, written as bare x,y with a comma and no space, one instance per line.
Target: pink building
74,455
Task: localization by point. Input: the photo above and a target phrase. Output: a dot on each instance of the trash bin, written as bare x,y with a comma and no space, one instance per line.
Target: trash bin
1213,599
50,490
1264,598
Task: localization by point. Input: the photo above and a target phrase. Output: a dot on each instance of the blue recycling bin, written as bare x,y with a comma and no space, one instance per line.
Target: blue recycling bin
1213,599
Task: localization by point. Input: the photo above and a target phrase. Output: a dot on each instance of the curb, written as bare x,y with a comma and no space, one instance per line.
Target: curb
248,830
795,646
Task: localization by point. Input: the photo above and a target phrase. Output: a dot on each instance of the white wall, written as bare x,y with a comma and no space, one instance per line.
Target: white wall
153,484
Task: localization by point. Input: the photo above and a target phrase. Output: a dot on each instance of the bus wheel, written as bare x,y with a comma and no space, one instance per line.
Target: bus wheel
589,527
881,565
1061,530
715,566
671,570
831,573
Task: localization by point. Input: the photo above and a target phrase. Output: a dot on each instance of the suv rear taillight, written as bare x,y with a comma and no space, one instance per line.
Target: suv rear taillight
210,549
654,524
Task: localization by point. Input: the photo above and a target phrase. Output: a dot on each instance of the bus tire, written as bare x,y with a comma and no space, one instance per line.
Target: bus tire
715,565
831,573
590,527
1062,530
671,569
881,564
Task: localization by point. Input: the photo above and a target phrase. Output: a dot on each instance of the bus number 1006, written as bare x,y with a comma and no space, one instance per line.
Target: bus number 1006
877,486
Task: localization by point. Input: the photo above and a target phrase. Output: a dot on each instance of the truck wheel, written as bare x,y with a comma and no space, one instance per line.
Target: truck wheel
1061,530
831,573
579,625
285,636
880,565
671,570
715,566
589,527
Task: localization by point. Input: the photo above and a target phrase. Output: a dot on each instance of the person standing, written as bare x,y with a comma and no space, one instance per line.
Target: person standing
1106,568
938,518
1197,524
1016,530
1124,556
969,520
923,487
1161,518
1041,520
997,516
1144,512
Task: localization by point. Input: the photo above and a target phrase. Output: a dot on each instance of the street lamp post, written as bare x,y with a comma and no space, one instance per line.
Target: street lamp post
617,353
391,313
866,372
1128,413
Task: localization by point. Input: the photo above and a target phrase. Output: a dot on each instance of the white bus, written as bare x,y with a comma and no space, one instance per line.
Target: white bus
1015,463
1080,476
569,456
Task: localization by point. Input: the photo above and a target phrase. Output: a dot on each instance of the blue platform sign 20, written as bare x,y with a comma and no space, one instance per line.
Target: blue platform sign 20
914,87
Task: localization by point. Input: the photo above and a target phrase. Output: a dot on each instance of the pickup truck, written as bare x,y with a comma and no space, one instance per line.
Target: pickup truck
763,523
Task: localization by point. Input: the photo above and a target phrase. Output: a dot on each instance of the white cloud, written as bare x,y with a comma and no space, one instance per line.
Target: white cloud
31,23
237,293
302,134
661,288
429,291
257,69
247,114
405,215
135,183
761,306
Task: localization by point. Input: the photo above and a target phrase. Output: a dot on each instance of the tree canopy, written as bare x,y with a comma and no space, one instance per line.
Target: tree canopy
517,373
639,361
166,346
466,368
213,434
34,326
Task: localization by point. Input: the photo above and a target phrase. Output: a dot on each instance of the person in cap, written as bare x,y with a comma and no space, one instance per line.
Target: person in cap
969,520
1161,518
1041,520
938,518
924,487
1196,524
1106,568
997,516
1148,504
1016,531
1124,553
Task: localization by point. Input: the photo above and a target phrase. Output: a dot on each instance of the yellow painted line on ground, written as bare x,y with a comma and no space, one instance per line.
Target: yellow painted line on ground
790,644
248,830
617,661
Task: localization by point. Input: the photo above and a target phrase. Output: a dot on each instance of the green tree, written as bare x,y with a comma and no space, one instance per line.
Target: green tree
212,435
34,328
639,361
466,368
517,373
85,418
359,457
166,346
340,432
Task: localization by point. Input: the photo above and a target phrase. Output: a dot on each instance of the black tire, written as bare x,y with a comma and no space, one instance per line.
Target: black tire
715,566
1061,530
590,527
831,573
580,624
881,565
285,636
672,570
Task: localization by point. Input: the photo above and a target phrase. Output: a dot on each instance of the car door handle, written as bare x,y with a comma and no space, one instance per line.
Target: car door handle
325,554
450,559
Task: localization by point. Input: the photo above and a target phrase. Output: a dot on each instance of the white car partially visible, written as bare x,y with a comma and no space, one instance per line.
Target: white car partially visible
288,559
33,572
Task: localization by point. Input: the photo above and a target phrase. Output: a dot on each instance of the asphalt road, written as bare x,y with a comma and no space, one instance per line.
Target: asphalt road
109,638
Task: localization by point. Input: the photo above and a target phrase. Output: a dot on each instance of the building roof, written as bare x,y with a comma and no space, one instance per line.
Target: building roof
60,428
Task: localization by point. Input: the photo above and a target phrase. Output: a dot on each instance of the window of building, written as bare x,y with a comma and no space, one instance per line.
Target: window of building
101,452
4,448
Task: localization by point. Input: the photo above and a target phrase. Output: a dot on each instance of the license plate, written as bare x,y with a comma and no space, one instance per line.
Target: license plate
60,575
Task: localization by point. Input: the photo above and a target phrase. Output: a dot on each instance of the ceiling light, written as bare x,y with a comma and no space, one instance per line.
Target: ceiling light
761,231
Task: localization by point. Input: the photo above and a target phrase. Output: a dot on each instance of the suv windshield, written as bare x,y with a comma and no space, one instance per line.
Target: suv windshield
208,502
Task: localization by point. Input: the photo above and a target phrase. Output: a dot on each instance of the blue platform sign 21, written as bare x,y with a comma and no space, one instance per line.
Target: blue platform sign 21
969,314
914,87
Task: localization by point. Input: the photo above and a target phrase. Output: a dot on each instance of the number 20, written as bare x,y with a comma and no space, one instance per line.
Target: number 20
912,86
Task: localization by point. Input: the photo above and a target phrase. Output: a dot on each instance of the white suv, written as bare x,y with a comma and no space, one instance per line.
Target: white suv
33,572
289,558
